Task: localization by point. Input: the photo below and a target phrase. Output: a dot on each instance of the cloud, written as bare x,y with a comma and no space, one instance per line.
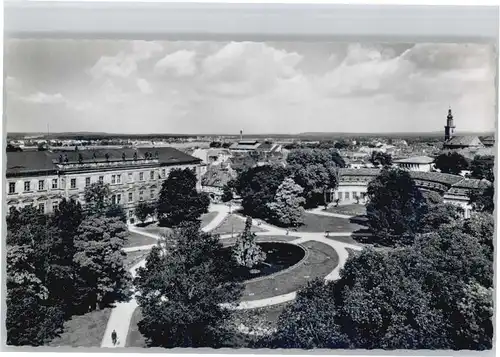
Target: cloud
180,63
144,86
44,98
120,65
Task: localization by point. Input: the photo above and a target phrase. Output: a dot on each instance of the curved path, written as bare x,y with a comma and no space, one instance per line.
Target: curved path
121,315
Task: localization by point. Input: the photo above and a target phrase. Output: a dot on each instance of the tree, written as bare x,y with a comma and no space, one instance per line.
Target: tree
482,199
287,207
395,207
315,170
179,201
482,167
380,158
246,252
257,186
438,215
116,210
451,163
181,290
103,278
97,198
142,211
227,193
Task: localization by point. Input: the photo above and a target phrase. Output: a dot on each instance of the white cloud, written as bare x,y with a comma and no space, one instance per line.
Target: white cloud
180,63
144,86
44,98
120,65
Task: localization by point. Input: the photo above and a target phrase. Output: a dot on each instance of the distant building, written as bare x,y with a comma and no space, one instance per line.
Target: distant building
452,142
255,146
417,163
488,141
214,180
353,184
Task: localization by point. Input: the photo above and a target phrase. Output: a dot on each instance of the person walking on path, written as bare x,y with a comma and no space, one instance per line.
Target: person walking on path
113,337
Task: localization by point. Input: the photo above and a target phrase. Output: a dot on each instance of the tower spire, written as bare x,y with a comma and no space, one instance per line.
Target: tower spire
449,128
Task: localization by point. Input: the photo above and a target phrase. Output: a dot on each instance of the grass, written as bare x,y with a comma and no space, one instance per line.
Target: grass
84,330
207,218
230,241
319,262
350,209
134,337
317,223
133,258
136,239
154,229
235,225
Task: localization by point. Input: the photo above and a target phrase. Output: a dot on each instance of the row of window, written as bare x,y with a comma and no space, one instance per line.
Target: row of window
347,195
117,199
115,179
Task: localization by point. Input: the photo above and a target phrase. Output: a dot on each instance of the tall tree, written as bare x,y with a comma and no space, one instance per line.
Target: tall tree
181,290
257,186
246,252
287,208
482,167
380,158
482,199
179,200
97,198
102,277
451,163
142,211
315,170
395,207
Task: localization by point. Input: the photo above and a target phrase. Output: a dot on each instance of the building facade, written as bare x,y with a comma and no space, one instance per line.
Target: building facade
418,163
44,178
454,189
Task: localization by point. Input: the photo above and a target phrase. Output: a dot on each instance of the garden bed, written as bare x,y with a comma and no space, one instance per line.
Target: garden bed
233,225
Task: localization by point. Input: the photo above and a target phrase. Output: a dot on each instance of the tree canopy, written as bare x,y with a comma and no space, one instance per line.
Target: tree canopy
380,158
451,163
482,167
179,200
395,207
287,208
246,252
181,289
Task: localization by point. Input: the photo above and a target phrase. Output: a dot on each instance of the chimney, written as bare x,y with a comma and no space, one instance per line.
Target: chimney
241,135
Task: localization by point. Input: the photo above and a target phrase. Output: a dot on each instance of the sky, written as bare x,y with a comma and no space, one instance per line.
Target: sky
137,87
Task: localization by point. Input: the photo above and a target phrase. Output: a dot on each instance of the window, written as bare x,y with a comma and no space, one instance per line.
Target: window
27,186
41,185
118,198
163,173
130,197
130,177
41,207
152,175
101,179
118,178
113,199
12,187
152,194
54,183
141,176
73,183
87,181
141,193
130,213
347,195
113,179
55,206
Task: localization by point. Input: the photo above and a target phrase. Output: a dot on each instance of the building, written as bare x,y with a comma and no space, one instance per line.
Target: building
44,178
458,142
214,180
488,141
256,146
417,163
353,184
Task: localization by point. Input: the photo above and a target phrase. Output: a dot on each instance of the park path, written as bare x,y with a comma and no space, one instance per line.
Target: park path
121,314
320,212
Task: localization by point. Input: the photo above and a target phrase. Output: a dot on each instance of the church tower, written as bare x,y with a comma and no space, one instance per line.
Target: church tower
449,128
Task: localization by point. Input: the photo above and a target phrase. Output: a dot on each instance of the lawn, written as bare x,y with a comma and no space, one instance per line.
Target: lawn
230,241
154,229
134,337
207,218
319,262
350,210
235,225
84,330
136,239
133,258
317,223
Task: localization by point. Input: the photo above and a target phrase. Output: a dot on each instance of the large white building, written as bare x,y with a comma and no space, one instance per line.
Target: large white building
44,178
353,184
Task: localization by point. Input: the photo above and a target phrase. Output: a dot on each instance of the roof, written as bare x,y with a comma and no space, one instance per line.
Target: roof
416,160
47,161
463,141
488,140
216,177
245,145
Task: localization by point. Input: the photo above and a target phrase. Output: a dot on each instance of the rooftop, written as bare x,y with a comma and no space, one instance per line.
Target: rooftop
416,160
463,141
